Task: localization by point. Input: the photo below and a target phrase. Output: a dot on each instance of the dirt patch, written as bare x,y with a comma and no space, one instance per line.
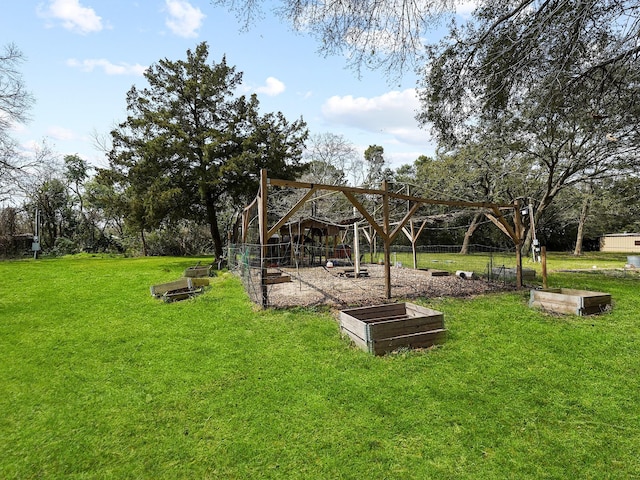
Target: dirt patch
322,286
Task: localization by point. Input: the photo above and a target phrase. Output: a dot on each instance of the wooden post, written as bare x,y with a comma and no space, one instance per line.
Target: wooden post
387,243
326,246
543,259
517,220
413,245
262,222
356,249
532,221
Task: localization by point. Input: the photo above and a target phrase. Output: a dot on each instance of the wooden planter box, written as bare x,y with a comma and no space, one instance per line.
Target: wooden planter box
180,284
383,328
567,300
194,272
180,289
273,278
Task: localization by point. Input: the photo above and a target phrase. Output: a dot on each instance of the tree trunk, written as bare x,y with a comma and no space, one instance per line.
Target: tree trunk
581,222
467,235
212,218
144,242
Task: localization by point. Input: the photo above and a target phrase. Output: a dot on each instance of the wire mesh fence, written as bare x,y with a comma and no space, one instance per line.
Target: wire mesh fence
308,269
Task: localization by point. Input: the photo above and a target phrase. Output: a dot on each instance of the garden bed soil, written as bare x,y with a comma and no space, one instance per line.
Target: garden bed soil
324,286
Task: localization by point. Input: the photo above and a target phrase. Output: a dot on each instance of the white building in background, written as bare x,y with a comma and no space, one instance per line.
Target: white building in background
620,242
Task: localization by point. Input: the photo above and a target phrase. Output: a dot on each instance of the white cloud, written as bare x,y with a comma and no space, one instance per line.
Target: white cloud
272,87
109,68
60,133
184,19
74,17
397,159
392,113
466,7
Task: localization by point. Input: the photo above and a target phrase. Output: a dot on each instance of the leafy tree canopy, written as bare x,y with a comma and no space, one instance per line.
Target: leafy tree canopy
15,102
566,56
190,146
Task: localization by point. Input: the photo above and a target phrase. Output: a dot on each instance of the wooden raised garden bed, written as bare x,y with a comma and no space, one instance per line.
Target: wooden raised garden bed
567,300
273,278
198,271
383,328
180,289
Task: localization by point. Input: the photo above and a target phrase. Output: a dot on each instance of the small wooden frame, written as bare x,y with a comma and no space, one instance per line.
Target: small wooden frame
198,271
567,300
273,277
435,273
180,289
161,289
199,282
279,278
176,295
351,272
383,328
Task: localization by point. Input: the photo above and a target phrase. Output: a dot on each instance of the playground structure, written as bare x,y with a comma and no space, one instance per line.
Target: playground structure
269,236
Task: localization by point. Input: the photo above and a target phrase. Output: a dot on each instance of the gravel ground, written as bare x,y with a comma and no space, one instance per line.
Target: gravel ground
322,286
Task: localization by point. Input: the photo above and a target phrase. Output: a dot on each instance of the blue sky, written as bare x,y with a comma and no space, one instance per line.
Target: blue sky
82,56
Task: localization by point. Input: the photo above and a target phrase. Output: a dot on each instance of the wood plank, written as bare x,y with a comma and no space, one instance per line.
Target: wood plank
556,308
581,293
420,311
595,309
175,296
197,272
200,282
362,273
349,269
161,289
539,295
390,318
373,312
353,325
417,340
435,273
354,201
276,280
553,301
595,301
391,328
404,221
340,188
360,342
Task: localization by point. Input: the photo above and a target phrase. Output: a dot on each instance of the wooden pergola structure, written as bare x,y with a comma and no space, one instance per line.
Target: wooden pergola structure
494,213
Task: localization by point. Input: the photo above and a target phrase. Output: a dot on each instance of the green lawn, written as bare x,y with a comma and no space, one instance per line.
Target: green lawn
100,380
479,262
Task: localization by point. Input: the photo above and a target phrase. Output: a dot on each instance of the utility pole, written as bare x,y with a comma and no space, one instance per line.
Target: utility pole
534,240
35,246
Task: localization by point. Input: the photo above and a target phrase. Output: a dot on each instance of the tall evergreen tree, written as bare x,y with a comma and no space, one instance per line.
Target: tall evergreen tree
190,146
